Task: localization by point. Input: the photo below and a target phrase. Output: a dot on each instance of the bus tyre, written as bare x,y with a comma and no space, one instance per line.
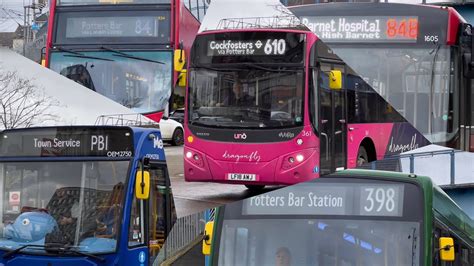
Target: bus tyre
178,137
362,157
255,188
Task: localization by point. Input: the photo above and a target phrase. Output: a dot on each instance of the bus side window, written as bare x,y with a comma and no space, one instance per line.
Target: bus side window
136,234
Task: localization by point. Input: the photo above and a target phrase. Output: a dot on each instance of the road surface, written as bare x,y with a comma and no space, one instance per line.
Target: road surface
192,197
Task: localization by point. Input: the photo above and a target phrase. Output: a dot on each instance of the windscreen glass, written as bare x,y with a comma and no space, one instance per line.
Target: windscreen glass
140,81
77,205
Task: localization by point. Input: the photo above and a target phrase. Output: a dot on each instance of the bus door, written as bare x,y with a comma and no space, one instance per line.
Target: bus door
151,220
333,121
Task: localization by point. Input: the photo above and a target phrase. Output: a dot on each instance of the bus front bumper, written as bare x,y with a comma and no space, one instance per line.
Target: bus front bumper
286,169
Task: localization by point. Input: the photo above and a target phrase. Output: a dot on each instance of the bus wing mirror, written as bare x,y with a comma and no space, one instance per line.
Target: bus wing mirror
142,185
207,240
446,248
182,78
335,80
179,59
43,56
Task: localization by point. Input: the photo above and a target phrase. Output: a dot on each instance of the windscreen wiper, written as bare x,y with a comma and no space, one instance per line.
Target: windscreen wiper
268,69
413,247
122,54
80,55
59,248
217,69
11,252
66,250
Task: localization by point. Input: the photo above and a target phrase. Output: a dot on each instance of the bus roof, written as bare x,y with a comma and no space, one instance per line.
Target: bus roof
219,31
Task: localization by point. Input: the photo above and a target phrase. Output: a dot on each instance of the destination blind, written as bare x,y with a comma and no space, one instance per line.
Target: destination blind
404,29
114,26
63,142
359,199
264,47
248,46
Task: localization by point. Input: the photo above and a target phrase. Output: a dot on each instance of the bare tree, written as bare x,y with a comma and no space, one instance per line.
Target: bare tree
22,103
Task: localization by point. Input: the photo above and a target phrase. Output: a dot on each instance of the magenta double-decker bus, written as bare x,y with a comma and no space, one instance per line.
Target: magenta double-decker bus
261,110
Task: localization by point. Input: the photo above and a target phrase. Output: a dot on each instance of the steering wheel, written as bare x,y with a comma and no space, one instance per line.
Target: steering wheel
30,227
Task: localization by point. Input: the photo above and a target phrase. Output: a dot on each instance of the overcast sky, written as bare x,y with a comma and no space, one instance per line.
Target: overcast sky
11,14
220,9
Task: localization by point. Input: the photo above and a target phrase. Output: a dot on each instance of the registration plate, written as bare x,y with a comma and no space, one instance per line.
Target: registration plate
242,177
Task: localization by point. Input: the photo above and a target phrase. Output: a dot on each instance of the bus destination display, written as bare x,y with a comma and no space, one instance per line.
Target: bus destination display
248,47
403,29
67,142
359,199
129,26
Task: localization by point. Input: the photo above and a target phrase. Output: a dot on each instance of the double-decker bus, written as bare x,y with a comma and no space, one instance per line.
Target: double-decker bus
418,57
124,49
276,106
83,196
356,217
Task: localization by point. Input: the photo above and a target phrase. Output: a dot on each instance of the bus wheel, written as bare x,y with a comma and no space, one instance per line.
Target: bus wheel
178,137
362,156
255,188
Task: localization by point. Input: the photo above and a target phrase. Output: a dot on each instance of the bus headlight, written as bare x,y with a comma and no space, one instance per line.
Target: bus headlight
299,158
295,159
195,158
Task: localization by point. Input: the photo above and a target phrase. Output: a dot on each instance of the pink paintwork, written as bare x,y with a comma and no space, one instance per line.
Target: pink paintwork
378,133
270,161
213,161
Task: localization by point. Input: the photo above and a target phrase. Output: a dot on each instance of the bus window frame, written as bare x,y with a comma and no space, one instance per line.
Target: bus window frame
129,48
78,159
237,207
156,164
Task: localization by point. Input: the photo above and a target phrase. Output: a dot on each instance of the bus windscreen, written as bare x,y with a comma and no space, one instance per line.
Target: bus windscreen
61,142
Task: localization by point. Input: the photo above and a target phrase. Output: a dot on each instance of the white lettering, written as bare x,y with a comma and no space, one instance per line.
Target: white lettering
252,157
99,142
397,148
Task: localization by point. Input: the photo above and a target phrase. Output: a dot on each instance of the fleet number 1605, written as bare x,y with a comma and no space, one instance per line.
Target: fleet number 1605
431,38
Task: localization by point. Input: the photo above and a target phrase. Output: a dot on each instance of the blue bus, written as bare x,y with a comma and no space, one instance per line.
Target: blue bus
96,195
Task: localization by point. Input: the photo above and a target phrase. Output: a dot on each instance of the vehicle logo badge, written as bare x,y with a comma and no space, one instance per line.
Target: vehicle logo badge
25,221
258,44
240,136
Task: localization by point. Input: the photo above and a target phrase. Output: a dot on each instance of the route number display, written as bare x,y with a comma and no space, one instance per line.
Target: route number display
266,47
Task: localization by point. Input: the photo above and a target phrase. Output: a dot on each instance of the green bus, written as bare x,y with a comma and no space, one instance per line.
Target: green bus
355,217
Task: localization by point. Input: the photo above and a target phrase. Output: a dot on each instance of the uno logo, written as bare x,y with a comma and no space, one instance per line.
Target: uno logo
240,136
